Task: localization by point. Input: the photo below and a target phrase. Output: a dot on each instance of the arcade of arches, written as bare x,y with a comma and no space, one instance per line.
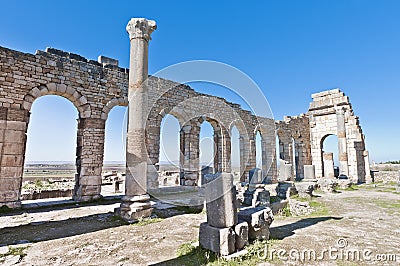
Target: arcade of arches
95,87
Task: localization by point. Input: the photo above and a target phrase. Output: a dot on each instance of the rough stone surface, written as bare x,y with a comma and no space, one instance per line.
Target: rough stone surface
218,240
242,235
258,197
221,201
305,189
95,90
309,172
327,184
299,208
331,113
285,190
259,219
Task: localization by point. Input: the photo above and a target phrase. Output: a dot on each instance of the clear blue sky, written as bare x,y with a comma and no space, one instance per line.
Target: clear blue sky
290,48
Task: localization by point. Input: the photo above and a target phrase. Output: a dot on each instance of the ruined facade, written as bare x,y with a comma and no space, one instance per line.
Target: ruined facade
330,113
95,88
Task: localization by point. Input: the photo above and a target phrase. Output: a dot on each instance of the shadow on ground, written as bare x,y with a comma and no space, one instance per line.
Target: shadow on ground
283,231
63,205
200,256
49,230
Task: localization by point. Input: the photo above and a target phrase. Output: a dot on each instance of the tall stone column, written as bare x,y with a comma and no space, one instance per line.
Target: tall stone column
136,202
329,171
368,177
226,152
242,159
342,142
190,152
250,155
13,126
89,158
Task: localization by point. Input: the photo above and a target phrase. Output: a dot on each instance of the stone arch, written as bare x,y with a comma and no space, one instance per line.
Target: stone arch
327,159
175,113
112,103
78,100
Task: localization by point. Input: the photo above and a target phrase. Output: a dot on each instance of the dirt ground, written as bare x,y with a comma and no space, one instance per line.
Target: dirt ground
365,219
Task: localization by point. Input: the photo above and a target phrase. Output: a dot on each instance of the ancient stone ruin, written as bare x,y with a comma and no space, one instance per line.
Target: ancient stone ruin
95,87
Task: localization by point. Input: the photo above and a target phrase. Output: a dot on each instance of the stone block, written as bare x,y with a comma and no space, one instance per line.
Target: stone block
305,189
107,61
13,148
11,172
285,172
285,189
218,240
221,201
258,197
10,184
309,172
327,184
16,125
241,235
90,180
9,196
259,219
12,160
255,176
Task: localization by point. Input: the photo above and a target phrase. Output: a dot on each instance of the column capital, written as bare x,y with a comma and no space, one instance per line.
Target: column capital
140,28
340,111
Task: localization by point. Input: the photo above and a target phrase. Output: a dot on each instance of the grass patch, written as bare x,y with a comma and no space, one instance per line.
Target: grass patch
190,210
4,209
393,207
285,212
351,188
189,255
320,209
147,221
274,199
15,252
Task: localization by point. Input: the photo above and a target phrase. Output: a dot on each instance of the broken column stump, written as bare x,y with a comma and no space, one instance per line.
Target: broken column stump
259,220
218,233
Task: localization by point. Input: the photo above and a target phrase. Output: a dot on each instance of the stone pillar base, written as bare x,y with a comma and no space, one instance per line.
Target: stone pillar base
11,204
87,193
86,198
218,240
259,219
134,208
190,178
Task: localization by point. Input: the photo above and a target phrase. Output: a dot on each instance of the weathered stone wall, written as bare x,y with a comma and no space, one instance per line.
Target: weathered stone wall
89,85
95,88
331,113
295,130
387,176
191,109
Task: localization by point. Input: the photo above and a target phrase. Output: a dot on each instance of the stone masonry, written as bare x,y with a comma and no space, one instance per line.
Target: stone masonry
330,113
95,88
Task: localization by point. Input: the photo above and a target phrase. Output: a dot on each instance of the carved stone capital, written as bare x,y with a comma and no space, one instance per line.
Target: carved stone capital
140,28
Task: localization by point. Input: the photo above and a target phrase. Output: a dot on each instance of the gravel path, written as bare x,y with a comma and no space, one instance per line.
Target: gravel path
90,235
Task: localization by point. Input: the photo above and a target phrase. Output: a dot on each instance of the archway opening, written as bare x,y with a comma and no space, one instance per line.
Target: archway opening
330,156
259,159
295,159
278,152
50,154
169,152
207,148
235,153
113,174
